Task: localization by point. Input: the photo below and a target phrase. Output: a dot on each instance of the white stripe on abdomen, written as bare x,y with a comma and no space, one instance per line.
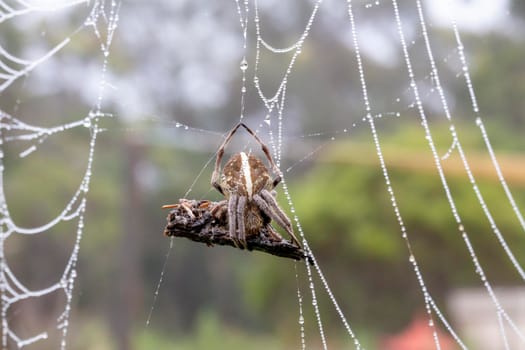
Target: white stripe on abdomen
245,166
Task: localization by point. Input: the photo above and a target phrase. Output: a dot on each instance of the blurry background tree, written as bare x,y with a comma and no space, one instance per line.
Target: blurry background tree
176,64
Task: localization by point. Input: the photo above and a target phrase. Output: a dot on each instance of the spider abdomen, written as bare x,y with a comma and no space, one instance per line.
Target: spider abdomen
245,174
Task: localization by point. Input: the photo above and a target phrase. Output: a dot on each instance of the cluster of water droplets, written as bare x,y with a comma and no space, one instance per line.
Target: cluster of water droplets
404,234
458,146
455,146
430,305
301,315
274,103
275,107
102,20
278,99
243,12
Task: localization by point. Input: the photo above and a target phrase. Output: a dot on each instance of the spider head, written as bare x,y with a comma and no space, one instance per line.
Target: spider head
244,174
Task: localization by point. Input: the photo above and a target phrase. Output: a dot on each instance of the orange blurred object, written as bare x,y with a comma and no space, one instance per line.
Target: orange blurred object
419,335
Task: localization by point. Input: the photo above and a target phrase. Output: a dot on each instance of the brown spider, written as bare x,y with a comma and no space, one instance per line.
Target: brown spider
250,200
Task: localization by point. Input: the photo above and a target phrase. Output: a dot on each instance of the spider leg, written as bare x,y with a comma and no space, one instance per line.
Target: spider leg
220,153
270,199
232,219
266,151
241,208
182,204
276,180
220,209
272,209
274,234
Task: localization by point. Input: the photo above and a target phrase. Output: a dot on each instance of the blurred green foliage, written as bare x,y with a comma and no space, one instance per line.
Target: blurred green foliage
209,333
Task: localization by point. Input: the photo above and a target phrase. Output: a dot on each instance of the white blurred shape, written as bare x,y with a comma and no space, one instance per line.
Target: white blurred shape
472,15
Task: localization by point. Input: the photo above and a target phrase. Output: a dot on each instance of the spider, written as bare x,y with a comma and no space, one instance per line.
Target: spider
249,190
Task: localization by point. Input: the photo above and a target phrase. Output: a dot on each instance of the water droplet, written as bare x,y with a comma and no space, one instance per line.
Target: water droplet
87,122
26,152
301,320
412,258
244,64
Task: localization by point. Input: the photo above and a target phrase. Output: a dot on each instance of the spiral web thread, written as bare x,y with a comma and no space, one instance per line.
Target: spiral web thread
102,19
274,104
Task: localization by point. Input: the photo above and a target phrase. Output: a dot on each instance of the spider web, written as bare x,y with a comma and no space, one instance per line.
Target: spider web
17,65
432,309
424,92
274,119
